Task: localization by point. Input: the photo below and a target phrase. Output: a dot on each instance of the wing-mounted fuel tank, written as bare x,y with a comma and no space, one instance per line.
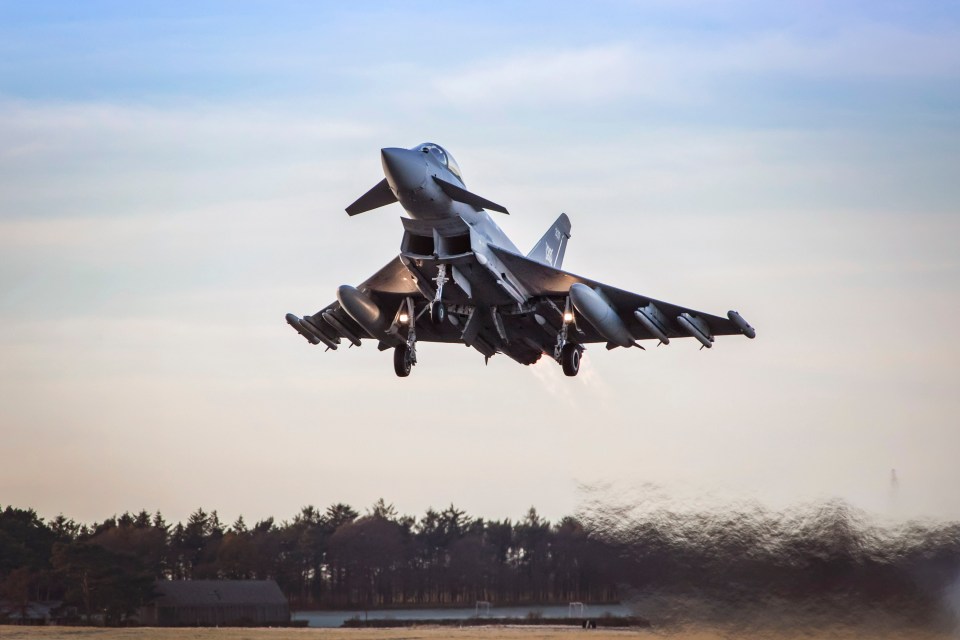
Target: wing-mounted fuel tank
365,312
598,311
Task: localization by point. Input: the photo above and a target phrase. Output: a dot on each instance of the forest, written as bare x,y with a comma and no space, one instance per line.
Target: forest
331,558
824,559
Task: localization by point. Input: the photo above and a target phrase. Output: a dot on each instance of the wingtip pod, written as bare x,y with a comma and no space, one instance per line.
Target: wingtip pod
742,324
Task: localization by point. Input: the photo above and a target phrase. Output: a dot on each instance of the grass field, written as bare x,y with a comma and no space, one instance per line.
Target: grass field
436,633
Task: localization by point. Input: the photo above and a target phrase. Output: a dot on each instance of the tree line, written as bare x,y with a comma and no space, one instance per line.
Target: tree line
330,558
828,559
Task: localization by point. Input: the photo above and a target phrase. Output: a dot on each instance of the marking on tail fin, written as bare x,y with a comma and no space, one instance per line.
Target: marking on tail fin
550,249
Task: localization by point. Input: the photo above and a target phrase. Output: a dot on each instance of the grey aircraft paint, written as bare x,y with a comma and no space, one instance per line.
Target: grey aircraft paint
459,279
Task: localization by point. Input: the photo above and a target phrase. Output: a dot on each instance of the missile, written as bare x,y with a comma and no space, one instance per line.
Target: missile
294,322
340,328
745,328
364,311
697,328
646,317
319,333
319,329
598,312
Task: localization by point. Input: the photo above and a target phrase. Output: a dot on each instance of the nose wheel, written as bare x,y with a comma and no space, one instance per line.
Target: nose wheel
437,312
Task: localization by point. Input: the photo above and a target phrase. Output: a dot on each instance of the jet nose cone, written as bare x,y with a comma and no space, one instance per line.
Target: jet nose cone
405,170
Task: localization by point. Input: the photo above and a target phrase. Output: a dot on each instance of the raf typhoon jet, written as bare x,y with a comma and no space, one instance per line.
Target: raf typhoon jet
459,279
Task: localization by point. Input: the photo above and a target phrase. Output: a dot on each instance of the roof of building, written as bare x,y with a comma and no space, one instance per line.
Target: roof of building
218,593
35,610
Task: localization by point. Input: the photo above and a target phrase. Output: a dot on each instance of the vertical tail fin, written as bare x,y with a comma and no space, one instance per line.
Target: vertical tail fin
553,244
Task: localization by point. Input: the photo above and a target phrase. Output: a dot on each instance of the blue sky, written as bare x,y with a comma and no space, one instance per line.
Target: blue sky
172,181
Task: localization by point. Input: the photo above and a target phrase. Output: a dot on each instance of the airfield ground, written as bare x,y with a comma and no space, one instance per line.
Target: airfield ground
437,633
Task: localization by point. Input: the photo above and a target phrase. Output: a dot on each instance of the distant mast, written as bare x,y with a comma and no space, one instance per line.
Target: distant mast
894,491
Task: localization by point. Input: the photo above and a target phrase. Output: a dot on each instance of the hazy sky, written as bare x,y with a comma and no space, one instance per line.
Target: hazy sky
173,178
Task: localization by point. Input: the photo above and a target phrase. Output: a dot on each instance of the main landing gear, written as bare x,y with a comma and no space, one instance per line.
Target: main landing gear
405,355
402,362
567,353
570,358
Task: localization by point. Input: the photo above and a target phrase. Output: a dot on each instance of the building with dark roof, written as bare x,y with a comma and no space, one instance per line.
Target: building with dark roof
35,612
208,603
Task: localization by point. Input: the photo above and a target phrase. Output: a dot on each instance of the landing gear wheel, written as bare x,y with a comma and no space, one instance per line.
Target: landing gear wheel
570,359
437,313
401,361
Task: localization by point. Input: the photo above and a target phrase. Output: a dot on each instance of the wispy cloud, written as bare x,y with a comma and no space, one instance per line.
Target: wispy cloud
657,70
574,76
866,52
107,158
45,130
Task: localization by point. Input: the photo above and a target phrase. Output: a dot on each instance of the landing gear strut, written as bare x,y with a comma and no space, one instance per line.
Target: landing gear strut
565,352
405,355
437,311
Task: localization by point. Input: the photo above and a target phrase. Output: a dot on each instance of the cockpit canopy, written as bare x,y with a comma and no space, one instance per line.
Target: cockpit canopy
441,154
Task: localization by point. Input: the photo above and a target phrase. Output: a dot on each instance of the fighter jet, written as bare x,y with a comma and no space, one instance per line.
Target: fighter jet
459,279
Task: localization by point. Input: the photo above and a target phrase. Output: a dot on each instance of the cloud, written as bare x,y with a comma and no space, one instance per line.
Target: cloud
120,159
688,71
865,51
574,76
91,137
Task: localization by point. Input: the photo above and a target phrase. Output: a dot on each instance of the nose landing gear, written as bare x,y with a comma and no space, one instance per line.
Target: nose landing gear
438,312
